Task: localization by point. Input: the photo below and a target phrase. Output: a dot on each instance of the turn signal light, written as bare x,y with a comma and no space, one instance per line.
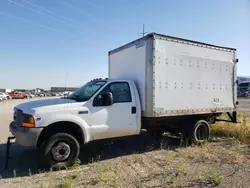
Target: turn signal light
30,124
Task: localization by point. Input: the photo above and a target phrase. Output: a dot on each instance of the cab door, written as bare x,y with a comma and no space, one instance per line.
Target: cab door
117,119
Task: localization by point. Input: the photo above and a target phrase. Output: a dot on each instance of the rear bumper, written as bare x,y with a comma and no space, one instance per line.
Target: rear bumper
25,136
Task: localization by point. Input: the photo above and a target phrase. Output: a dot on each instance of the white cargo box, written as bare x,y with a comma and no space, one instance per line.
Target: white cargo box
177,76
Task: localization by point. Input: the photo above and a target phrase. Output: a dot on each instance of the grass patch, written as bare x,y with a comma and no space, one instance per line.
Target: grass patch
240,131
76,164
30,173
210,153
14,173
108,174
214,177
67,183
179,164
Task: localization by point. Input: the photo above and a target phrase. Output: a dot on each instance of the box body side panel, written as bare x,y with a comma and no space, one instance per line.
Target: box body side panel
191,79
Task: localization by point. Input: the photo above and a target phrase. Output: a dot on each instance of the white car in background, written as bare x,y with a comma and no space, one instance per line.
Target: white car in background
30,95
4,96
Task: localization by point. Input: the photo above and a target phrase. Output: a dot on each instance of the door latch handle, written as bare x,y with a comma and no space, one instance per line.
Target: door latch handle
133,110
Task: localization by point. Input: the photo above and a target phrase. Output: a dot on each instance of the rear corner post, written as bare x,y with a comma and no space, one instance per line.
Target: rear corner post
233,116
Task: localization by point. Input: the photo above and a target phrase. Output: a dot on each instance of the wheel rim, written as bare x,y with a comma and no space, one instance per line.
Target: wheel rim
61,151
202,133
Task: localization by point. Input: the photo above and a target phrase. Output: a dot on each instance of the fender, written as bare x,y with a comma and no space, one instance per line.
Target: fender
50,119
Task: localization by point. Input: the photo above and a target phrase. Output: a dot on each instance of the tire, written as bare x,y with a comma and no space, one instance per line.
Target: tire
64,143
199,133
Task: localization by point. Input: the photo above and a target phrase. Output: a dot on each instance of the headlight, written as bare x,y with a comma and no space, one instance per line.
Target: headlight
28,121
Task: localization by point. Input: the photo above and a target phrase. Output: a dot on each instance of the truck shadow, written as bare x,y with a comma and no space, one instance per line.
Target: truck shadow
27,161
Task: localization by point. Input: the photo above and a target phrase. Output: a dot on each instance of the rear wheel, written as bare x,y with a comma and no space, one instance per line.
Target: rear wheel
61,150
198,133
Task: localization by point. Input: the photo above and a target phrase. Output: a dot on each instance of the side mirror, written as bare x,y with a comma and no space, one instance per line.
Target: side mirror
107,99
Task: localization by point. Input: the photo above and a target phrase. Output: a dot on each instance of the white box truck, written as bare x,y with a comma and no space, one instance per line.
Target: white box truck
157,83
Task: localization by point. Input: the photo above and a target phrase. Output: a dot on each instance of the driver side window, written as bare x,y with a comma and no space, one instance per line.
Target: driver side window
120,91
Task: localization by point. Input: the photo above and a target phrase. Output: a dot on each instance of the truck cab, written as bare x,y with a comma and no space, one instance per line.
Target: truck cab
110,107
100,109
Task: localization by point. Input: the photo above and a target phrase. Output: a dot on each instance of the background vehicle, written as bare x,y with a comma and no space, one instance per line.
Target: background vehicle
36,94
30,95
147,80
244,89
18,95
41,94
4,96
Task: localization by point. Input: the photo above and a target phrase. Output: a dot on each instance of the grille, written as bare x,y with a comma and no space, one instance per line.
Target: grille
18,117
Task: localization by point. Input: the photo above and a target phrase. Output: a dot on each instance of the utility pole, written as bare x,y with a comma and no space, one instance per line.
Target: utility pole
66,77
143,31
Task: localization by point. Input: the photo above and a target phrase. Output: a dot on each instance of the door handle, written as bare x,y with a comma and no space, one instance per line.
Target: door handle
133,110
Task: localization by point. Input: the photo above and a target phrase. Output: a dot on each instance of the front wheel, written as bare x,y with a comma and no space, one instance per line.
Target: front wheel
61,150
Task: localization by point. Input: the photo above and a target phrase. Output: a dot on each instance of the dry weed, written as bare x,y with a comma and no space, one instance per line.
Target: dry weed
209,153
214,177
66,183
108,174
240,131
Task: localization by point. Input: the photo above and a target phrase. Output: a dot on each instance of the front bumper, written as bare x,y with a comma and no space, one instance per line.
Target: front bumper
25,136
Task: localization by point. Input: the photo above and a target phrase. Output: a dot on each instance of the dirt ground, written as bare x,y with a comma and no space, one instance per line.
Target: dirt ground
145,162
138,161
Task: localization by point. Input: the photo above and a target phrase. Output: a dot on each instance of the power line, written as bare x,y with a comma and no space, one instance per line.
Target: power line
37,12
75,8
27,21
91,3
51,12
80,11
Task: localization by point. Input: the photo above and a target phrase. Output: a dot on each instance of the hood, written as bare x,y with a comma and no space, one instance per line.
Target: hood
32,105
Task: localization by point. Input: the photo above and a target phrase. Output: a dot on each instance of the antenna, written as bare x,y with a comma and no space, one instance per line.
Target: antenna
143,31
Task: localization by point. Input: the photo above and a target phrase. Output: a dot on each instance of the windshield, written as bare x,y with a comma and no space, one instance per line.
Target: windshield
87,91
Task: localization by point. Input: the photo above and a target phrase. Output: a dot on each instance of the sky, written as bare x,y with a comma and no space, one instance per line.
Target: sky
46,43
